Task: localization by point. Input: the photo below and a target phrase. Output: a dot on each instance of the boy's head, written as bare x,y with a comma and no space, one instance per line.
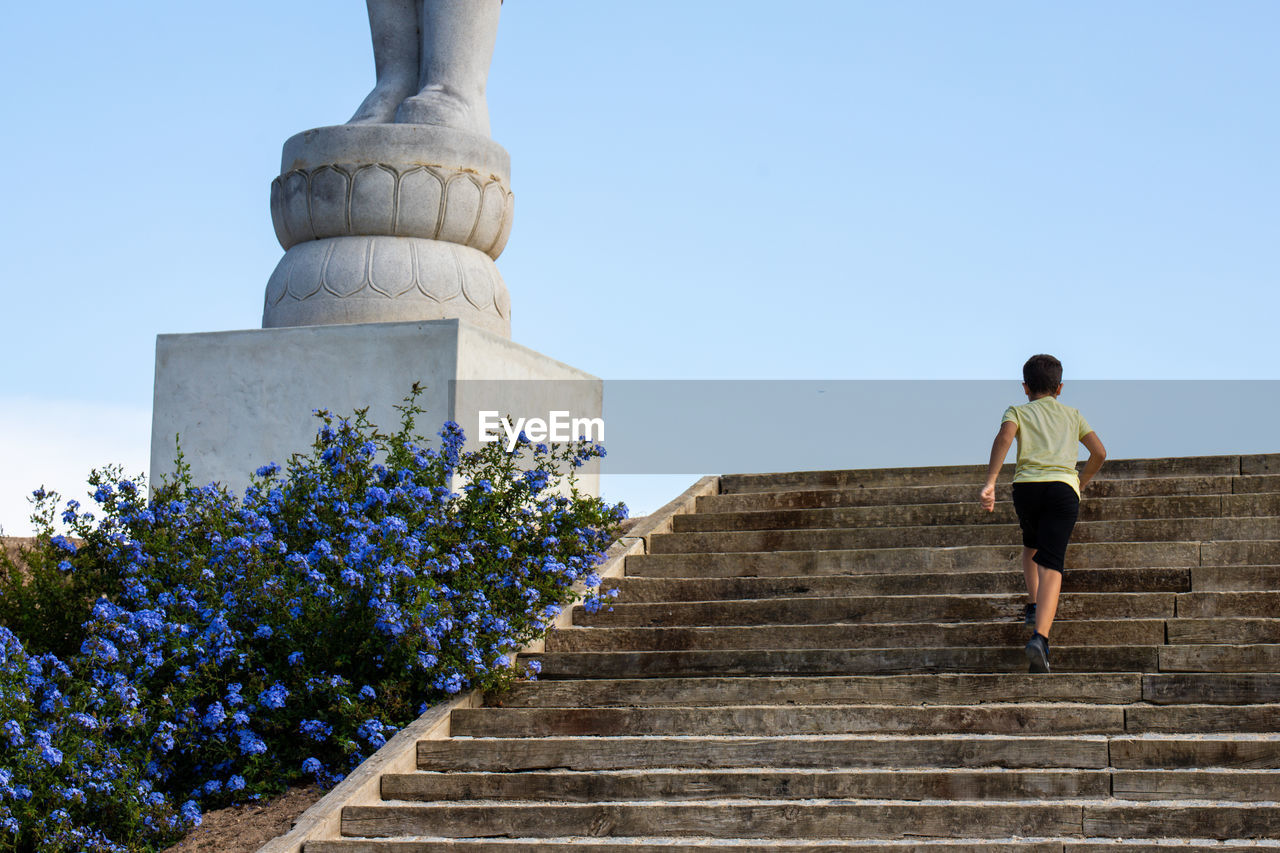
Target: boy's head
1042,374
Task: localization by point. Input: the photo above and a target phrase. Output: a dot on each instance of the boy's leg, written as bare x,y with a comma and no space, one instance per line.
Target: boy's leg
1056,524
1024,504
1031,572
1050,586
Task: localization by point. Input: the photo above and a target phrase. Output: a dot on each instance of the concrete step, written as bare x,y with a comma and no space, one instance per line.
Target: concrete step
1196,751
582,844
1255,483
1131,752
1143,530
1185,466
956,559
800,819
1219,631
820,610
632,590
1115,469
963,492
1211,688
668,845
928,689
760,720
1059,718
835,751
1218,784
799,784
1235,578
813,783
1220,658
1240,553
1183,819
971,513
1237,604
1146,632
1182,719
857,661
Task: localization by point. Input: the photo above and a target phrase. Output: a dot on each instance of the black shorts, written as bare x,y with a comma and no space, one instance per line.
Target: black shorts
1047,512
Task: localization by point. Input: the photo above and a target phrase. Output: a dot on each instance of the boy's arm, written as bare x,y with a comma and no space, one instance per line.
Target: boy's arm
1097,453
999,450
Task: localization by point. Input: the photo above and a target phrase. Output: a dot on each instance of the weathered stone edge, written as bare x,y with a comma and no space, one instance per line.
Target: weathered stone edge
323,821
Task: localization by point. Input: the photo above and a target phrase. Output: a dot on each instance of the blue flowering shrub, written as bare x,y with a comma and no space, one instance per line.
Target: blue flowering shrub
192,648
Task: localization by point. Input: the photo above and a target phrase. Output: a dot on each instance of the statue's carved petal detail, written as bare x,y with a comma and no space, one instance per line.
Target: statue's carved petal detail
502,301
391,267
330,200
419,204
373,209
477,284
439,275
296,203
461,209
307,271
346,266
277,285
505,232
493,209
277,213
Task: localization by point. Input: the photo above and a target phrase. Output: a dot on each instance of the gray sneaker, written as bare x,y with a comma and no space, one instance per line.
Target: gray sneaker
1029,614
1038,653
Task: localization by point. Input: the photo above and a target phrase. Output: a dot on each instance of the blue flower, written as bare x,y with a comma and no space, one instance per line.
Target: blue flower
251,744
315,729
163,738
63,543
49,753
191,812
214,716
275,696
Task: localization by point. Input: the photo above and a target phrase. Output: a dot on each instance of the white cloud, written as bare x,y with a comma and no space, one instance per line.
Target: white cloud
55,443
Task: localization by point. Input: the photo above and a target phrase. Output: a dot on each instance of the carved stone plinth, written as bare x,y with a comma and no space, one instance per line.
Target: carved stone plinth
390,223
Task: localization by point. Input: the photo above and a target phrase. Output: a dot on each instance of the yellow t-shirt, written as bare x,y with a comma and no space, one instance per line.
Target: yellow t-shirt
1048,440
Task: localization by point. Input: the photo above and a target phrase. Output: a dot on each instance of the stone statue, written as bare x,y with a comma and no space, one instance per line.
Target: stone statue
399,214
432,60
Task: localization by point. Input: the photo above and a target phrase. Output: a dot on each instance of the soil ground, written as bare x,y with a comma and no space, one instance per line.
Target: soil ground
243,829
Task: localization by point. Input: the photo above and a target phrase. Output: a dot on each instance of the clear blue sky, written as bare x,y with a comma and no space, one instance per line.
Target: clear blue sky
704,189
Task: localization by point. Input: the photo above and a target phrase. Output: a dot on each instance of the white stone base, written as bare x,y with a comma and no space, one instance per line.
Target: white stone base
241,399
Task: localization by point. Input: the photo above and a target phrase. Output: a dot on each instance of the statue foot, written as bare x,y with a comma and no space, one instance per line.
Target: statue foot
380,106
445,109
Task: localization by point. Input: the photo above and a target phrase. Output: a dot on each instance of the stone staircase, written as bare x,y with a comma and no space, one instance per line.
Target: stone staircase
823,661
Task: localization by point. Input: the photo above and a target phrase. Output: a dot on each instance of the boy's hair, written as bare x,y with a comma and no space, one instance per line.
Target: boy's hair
1042,373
